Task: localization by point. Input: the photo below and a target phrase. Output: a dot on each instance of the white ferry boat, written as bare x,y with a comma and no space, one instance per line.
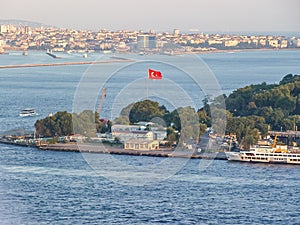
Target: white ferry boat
28,112
265,154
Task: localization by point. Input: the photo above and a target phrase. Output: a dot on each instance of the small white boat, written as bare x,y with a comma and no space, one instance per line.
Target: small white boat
28,112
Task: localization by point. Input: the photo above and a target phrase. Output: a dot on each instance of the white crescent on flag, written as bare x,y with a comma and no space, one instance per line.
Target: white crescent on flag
154,75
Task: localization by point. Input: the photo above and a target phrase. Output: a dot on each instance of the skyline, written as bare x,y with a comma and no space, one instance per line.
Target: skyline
222,16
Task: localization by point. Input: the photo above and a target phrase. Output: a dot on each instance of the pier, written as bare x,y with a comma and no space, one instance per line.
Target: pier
285,133
106,149
66,63
287,137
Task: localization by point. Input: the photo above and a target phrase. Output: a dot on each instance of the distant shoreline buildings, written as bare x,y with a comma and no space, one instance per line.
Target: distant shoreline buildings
58,39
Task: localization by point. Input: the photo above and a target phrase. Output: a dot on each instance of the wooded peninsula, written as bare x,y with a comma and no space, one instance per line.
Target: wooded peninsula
250,112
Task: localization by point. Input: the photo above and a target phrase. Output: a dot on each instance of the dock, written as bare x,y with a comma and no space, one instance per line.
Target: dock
287,137
106,149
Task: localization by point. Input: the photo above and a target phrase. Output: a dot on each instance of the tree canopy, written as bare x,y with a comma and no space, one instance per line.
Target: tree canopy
145,111
263,107
275,103
63,123
251,111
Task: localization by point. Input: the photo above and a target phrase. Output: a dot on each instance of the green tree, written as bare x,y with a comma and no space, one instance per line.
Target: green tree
60,124
245,129
123,120
145,111
297,108
86,123
173,119
250,137
276,119
204,118
189,123
172,136
289,78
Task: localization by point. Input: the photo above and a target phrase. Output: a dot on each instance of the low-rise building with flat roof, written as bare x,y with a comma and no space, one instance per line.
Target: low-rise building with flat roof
140,144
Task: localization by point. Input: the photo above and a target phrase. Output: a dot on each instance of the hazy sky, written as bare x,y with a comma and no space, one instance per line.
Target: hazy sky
161,15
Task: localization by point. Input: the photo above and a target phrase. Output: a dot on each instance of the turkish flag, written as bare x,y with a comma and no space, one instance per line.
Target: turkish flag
154,75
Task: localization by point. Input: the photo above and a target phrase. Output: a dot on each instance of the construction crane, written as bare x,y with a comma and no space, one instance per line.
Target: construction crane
103,95
274,142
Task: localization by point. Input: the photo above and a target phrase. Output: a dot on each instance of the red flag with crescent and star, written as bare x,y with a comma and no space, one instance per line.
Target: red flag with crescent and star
154,75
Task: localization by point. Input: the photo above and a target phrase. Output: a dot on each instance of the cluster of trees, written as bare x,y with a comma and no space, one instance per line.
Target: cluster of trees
63,123
278,105
255,109
250,111
181,122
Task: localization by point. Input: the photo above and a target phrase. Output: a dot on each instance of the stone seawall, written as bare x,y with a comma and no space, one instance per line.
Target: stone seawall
106,149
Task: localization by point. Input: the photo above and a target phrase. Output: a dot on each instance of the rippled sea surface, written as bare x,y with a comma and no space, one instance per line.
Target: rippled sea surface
47,187
60,188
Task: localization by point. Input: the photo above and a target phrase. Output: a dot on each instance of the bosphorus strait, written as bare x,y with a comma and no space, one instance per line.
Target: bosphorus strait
48,187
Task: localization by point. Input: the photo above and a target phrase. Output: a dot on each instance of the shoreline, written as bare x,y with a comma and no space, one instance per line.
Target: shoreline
104,149
239,50
119,59
207,51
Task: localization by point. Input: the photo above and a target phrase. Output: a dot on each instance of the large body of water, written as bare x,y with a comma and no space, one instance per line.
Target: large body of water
39,187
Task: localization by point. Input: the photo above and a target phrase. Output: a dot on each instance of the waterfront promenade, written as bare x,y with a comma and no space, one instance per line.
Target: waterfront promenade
107,149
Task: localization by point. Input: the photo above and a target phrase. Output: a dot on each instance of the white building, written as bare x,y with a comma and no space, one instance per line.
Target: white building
127,132
3,29
143,130
138,144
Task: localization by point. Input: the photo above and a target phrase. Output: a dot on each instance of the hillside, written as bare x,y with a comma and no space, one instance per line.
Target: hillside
251,112
254,110
274,102
20,23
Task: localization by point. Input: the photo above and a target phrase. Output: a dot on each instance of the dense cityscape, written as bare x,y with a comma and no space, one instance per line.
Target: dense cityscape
14,37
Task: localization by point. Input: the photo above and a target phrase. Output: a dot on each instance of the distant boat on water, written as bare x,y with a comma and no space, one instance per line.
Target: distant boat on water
28,112
49,52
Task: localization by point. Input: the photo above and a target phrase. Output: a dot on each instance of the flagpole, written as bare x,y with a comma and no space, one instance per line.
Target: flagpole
147,91
152,75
